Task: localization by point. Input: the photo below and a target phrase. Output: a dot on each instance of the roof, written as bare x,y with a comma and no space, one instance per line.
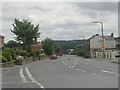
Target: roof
117,38
109,38
105,37
93,36
1,36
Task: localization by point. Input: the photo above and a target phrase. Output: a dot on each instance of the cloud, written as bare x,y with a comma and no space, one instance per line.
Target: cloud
60,20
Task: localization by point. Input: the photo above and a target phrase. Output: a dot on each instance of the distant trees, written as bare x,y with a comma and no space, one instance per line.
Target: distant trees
25,32
79,50
48,46
57,48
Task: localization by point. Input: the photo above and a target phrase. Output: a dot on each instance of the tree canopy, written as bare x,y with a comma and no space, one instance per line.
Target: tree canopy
12,43
25,32
48,46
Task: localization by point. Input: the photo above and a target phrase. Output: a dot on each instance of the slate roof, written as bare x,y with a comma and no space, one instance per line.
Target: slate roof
1,36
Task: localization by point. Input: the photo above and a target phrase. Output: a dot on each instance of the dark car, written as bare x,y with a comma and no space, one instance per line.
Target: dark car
59,54
53,57
117,55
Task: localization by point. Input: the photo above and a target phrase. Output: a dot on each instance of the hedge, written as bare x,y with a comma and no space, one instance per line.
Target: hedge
7,55
3,59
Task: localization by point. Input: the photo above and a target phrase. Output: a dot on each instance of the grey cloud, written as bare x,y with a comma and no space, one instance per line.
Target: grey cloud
68,27
100,6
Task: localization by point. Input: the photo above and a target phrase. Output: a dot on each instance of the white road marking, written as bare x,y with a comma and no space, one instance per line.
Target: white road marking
110,72
112,69
96,66
64,62
22,75
80,70
70,66
73,66
75,63
32,79
96,74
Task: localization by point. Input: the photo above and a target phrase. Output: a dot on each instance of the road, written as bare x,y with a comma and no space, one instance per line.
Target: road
77,72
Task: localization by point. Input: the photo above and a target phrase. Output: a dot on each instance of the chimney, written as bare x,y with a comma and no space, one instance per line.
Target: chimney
97,35
112,35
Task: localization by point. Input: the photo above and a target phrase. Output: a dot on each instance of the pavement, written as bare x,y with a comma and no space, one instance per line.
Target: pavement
68,71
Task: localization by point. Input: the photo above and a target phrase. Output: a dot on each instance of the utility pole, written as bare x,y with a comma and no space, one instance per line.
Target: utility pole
103,46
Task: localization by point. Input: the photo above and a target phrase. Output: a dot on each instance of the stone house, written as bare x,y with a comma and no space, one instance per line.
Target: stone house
94,47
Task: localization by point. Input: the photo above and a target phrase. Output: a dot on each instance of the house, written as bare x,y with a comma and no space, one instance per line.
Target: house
117,43
1,42
94,46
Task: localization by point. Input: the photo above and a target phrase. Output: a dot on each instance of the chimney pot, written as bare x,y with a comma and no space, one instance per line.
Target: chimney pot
111,34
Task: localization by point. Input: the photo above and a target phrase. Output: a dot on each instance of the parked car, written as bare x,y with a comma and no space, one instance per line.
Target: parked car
53,57
117,55
59,54
69,53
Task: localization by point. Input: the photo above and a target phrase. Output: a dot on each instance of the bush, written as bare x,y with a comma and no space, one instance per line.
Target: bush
32,53
13,54
7,55
17,52
28,54
23,53
3,59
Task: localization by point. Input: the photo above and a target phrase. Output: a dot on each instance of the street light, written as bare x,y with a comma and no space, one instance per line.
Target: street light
83,39
102,36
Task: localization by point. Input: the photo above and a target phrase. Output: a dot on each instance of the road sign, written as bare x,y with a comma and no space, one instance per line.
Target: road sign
103,48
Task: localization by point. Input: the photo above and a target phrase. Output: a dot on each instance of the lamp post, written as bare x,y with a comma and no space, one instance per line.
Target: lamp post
102,37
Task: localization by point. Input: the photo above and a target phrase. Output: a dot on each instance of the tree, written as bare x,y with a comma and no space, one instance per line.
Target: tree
79,50
57,48
12,43
48,46
25,32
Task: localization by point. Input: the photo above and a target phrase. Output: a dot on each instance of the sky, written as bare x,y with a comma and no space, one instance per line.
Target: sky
62,20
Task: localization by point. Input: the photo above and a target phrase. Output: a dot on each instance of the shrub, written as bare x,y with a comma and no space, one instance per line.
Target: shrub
3,59
17,52
23,53
32,53
7,55
13,54
28,54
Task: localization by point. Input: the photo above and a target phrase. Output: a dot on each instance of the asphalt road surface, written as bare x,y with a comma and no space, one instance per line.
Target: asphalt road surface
68,71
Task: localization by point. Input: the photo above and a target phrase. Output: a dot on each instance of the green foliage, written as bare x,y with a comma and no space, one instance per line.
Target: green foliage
12,43
28,54
57,48
13,53
7,49
4,59
25,32
79,50
23,53
8,55
48,46
68,44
